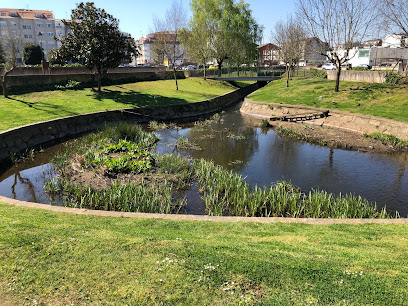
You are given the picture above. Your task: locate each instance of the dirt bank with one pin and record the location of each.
(338, 130)
(333, 137)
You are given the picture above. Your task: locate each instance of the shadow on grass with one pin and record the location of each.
(136, 99)
(57, 110)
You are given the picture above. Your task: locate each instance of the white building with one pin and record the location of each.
(36, 26)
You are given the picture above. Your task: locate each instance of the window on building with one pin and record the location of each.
(48, 16)
(364, 53)
(13, 24)
(3, 24)
(26, 27)
(40, 25)
(51, 42)
(38, 15)
(50, 34)
(13, 14)
(49, 25)
(3, 14)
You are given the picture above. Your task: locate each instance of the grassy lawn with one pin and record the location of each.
(367, 98)
(59, 258)
(40, 106)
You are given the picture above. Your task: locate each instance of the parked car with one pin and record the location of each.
(385, 64)
(365, 66)
(329, 66)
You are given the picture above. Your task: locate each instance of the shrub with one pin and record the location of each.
(71, 84)
(316, 73)
(393, 78)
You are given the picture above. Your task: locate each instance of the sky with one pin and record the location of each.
(136, 16)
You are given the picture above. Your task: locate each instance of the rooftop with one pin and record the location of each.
(26, 14)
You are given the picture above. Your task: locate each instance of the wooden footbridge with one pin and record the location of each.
(301, 117)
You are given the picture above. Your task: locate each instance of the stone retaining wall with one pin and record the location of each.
(46, 133)
(358, 76)
(16, 81)
(350, 121)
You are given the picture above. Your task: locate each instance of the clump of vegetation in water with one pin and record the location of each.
(156, 126)
(115, 169)
(388, 139)
(226, 193)
(264, 123)
(295, 134)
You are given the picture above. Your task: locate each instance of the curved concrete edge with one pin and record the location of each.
(43, 134)
(116, 214)
(354, 122)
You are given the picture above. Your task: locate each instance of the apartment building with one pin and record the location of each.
(36, 26)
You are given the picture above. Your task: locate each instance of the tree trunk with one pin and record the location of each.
(175, 76)
(336, 89)
(99, 80)
(4, 82)
(287, 75)
(238, 70)
(219, 68)
(205, 72)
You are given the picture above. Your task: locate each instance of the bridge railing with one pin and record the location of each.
(244, 72)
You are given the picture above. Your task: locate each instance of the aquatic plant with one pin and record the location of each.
(226, 193)
(156, 126)
(120, 197)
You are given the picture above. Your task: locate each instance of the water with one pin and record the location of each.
(262, 157)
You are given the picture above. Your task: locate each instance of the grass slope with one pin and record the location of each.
(59, 258)
(40, 106)
(367, 98)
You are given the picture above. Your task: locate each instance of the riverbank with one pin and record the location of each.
(34, 107)
(380, 100)
(339, 129)
(59, 258)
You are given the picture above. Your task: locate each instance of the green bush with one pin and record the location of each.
(71, 84)
(393, 78)
(316, 73)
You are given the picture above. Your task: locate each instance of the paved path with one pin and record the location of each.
(199, 218)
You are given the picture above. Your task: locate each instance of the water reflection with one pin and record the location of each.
(263, 157)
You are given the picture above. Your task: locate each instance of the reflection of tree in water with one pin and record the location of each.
(28, 185)
(224, 150)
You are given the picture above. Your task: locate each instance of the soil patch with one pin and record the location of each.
(338, 138)
(99, 179)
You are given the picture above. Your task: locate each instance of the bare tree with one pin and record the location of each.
(11, 47)
(166, 41)
(290, 37)
(340, 23)
(395, 12)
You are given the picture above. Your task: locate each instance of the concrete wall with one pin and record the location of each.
(349, 121)
(16, 81)
(358, 76)
(76, 70)
(50, 132)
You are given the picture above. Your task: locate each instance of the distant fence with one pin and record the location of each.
(358, 76)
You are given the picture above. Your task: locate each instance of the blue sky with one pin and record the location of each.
(136, 17)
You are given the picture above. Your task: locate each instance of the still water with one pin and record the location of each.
(259, 155)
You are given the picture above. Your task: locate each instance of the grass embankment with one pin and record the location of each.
(45, 105)
(381, 100)
(59, 258)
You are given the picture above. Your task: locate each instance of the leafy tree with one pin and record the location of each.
(32, 54)
(233, 32)
(196, 40)
(95, 41)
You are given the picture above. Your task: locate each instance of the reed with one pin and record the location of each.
(226, 193)
(120, 197)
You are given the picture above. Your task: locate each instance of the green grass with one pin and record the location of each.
(380, 100)
(59, 258)
(40, 106)
(388, 139)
